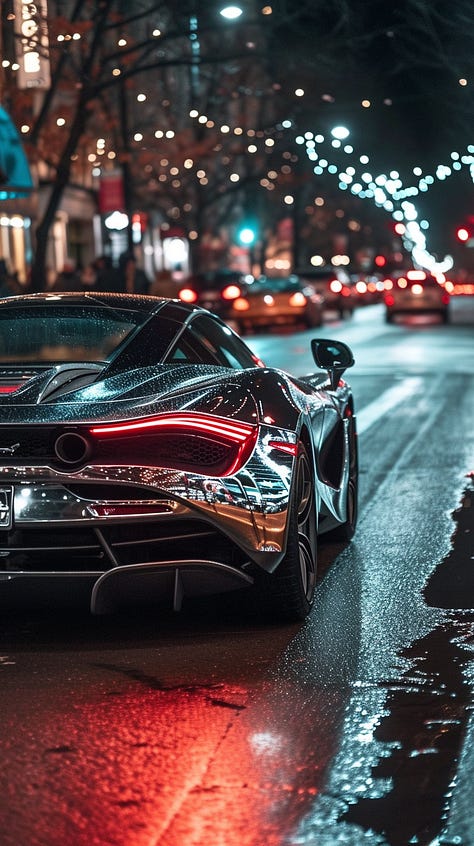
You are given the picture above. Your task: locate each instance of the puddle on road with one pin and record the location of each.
(423, 727)
(427, 712)
(401, 789)
(452, 583)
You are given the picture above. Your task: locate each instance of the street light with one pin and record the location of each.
(340, 132)
(247, 236)
(231, 13)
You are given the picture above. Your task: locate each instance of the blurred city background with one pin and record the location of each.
(264, 139)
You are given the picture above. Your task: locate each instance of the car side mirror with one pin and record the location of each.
(333, 356)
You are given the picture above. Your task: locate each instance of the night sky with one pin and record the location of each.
(406, 58)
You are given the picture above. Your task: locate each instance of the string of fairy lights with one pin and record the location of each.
(387, 191)
(329, 154)
(326, 153)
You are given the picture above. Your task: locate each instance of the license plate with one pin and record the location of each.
(6, 511)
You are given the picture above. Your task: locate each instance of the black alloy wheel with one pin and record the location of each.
(288, 593)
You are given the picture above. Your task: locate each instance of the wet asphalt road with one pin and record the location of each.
(213, 727)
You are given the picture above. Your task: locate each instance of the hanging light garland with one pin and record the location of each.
(387, 191)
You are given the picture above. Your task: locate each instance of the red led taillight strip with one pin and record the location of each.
(239, 437)
(10, 389)
(235, 431)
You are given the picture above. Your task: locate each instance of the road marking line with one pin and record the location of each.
(388, 400)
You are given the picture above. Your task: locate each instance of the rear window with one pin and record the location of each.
(276, 284)
(55, 334)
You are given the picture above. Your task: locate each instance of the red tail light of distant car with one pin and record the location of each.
(188, 295)
(231, 292)
(297, 300)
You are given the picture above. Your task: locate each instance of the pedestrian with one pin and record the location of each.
(107, 276)
(69, 279)
(132, 279)
(89, 277)
(9, 285)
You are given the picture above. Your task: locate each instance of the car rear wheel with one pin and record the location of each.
(288, 593)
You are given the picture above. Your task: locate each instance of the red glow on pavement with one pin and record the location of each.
(136, 764)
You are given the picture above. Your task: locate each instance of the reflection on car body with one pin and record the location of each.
(160, 459)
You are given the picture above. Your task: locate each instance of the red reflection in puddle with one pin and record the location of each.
(192, 766)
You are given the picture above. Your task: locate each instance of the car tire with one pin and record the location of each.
(288, 593)
(389, 317)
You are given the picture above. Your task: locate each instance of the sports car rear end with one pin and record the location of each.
(119, 485)
(146, 455)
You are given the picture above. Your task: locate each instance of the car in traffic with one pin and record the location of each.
(460, 283)
(272, 301)
(415, 292)
(147, 455)
(334, 285)
(367, 288)
(215, 290)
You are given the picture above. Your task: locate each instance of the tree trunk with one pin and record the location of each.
(63, 172)
(126, 177)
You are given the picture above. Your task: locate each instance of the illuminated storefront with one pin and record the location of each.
(16, 186)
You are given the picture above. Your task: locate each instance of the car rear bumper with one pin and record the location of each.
(121, 530)
(395, 310)
(165, 583)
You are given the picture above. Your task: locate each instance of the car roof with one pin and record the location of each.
(137, 302)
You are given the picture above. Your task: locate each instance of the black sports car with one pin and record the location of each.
(147, 454)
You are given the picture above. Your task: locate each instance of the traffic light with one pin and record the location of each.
(247, 235)
(465, 231)
(462, 234)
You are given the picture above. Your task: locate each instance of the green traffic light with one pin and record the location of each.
(246, 235)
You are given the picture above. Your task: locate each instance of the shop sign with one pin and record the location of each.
(111, 195)
(15, 175)
(32, 44)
